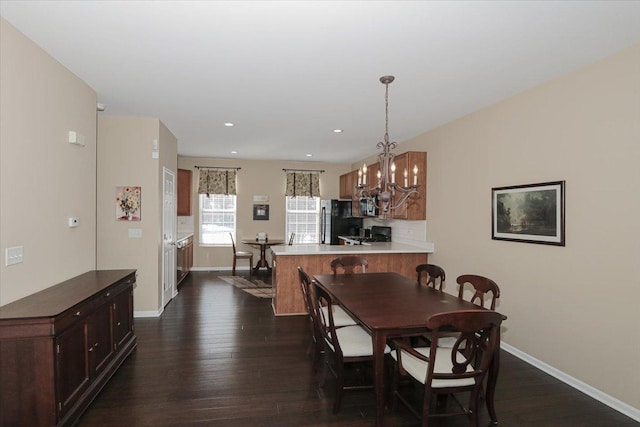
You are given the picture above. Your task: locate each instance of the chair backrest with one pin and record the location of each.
(291, 238)
(233, 243)
(348, 264)
(482, 286)
(305, 284)
(324, 318)
(473, 351)
(433, 275)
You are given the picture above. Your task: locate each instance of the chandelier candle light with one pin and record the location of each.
(389, 194)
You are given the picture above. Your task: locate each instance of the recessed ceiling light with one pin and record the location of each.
(337, 131)
(309, 155)
(229, 124)
(234, 152)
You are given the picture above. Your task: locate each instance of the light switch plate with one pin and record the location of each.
(135, 233)
(14, 255)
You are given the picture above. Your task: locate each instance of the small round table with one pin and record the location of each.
(263, 244)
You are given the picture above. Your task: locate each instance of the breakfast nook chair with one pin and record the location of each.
(349, 263)
(449, 371)
(431, 275)
(240, 255)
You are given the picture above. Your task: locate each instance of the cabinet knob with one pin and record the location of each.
(107, 294)
(119, 323)
(90, 349)
(76, 314)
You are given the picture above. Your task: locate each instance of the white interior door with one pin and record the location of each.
(169, 235)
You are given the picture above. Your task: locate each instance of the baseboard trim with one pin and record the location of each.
(218, 268)
(610, 401)
(148, 313)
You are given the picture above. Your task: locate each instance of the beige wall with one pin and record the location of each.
(575, 307)
(44, 180)
(125, 158)
(255, 178)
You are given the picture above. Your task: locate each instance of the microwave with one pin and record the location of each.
(368, 206)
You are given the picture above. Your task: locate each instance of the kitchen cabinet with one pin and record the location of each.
(184, 192)
(60, 346)
(416, 207)
(348, 182)
(185, 257)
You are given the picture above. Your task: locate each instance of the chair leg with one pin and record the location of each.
(250, 267)
(325, 368)
(339, 387)
(233, 269)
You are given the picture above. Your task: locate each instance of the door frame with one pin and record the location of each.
(168, 239)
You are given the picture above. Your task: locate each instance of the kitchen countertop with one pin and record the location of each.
(372, 248)
(182, 235)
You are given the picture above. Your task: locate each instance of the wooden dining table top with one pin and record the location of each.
(389, 300)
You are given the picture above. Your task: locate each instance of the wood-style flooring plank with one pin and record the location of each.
(219, 357)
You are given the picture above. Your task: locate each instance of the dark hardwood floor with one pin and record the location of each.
(219, 357)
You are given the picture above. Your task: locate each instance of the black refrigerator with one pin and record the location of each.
(336, 220)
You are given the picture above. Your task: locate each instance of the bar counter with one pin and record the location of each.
(315, 259)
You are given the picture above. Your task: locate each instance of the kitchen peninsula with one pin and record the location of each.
(315, 259)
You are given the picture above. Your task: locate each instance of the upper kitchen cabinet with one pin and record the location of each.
(184, 192)
(416, 207)
(348, 183)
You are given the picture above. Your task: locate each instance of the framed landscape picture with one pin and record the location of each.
(532, 213)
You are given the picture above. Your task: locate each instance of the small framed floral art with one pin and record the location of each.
(128, 203)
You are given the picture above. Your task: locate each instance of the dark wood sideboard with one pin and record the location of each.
(60, 346)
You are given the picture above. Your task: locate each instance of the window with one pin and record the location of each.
(303, 218)
(217, 219)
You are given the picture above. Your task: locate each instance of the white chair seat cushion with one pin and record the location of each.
(447, 341)
(340, 317)
(356, 342)
(418, 368)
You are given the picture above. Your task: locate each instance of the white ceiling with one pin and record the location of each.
(289, 72)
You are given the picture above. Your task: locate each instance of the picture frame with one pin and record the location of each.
(128, 203)
(532, 213)
(260, 212)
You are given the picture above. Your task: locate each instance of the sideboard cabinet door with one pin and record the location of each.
(72, 366)
(122, 318)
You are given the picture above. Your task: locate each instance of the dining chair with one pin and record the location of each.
(341, 318)
(291, 238)
(432, 275)
(240, 255)
(447, 371)
(348, 264)
(342, 345)
(482, 286)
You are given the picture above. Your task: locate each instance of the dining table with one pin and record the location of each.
(263, 245)
(390, 305)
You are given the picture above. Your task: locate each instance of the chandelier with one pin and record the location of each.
(386, 195)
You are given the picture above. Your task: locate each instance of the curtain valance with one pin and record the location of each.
(213, 181)
(303, 184)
